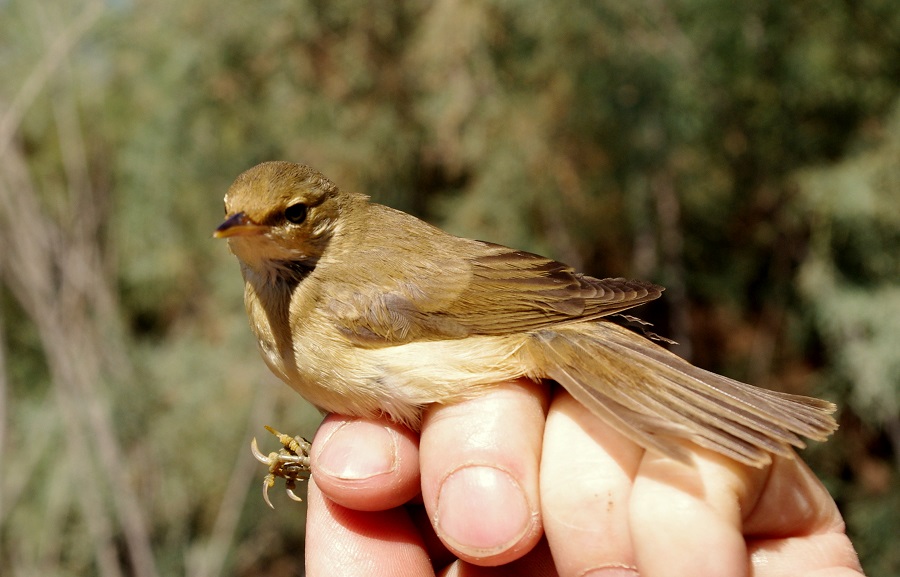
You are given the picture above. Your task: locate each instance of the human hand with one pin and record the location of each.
(500, 470)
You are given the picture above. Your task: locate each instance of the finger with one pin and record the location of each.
(795, 527)
(346, 542)
(479, 461)
(820, 555)
(686, 518)
(536, 563)
(586, 476)
(365, 464)
(441, 557)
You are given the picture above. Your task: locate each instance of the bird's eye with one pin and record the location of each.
(295, 213)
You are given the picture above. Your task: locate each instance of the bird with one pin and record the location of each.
(367, 311)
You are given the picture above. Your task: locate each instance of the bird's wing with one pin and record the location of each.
(515, 291)
(499, 291)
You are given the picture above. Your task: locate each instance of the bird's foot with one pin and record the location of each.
(291, 463)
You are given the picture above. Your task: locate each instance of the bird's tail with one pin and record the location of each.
(653, 396)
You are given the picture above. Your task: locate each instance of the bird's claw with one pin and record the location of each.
(291, 463)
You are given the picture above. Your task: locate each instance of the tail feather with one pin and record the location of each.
(652, 396)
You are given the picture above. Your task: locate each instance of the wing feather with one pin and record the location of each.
(499, 291)
(656, 395)
(516, 291)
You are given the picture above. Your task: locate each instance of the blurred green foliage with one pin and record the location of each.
(743, 154)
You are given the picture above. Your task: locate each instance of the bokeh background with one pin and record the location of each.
(744, 154)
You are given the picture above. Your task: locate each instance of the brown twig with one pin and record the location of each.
(53, 268)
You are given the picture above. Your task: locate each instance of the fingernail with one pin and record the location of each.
(482, 510)
(358, 450)
(611, 571)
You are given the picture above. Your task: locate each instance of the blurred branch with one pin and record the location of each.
(4, 388)
(28, 271)
(16, 479)
(55, 273)
(43, 70)
(210, 559)
(88, 490)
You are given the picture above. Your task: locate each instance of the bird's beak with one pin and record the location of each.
(239, 224)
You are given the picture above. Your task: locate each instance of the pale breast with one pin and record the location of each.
(400, 380)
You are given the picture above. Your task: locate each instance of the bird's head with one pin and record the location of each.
(280, 216)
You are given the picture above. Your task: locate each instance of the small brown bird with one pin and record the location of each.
(368, 311)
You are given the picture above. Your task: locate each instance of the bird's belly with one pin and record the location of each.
(400, 380)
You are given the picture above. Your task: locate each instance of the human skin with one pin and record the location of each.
(518, 483)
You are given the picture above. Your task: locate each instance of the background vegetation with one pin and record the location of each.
(745, 155)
